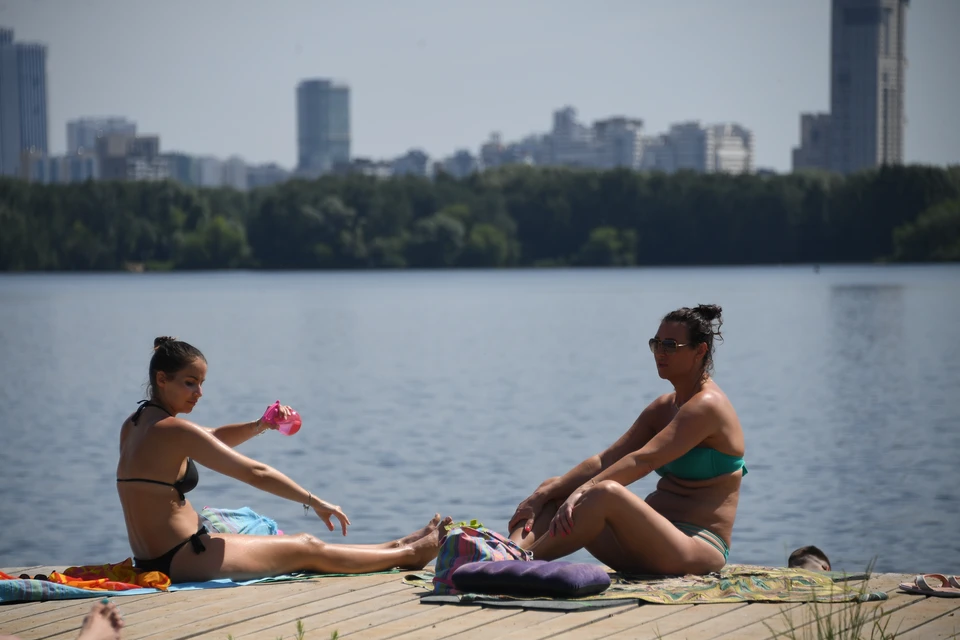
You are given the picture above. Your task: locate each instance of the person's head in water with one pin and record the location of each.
(809, 557)
(683, 345)
(177, 373)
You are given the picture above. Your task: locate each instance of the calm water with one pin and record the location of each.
(459, 392)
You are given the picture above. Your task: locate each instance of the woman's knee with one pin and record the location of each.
(311, 543)
(605, 490)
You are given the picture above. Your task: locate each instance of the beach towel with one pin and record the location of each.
(242, 520)
(734, 583)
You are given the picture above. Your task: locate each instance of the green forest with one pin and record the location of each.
(511, 217)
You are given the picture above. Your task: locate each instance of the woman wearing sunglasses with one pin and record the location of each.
(690, 437)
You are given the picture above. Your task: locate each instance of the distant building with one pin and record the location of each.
(75, 167)
(867, 68)
(364, 167)
(23, 101)
(235, 173)
(183, 168)
(266, 175)
(209, 172)
(413, 163)
(619, 143)
(729, 149)
(460, 165)
(323, 126)
(814, 149)
(717, 148)
(82, 133)
(127, 157)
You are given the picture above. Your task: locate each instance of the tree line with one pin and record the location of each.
(511, 217)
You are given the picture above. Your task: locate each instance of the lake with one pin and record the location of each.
(459, 391)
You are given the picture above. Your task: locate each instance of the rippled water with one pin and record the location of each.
(460, 391)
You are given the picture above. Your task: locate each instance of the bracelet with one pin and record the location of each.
(257, 425)
(306, 506)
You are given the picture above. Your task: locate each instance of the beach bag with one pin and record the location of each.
(468, 542)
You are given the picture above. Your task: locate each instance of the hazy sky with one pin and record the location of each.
(219, 76)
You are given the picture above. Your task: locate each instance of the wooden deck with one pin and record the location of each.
(383, 607)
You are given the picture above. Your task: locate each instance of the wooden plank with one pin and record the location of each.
(178, 608)
(66, 620)
(804, 614)
(629, 619)
(504, 626)
(569, 621)
(804, 619)
(426, 616)
(744, 616)
(251, 621)
(918, 614)
(361, 616)
(459, 624)
(54, 611)
(671, 624)
(941, 628)
(181, 602)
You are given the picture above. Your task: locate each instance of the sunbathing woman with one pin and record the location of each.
(690, 437)
(159, 454)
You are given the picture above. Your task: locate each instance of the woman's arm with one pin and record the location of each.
(693, 423)
(560, 488)
(642, 432)
(234, 435)
(204, 447)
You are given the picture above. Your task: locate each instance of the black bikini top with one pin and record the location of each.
(191, 476)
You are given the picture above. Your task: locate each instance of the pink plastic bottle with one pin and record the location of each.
(287, 426)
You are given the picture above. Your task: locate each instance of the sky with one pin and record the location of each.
(218, 77)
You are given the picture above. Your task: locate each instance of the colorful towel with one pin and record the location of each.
(242, 520)
(17, 590)
(120, 576)
(734, 583)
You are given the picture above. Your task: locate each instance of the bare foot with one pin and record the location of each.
(104, 622)
(419, 533)
(427, 547)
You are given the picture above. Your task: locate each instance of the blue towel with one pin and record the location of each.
(242, 520)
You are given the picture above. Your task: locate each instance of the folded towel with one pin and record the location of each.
(242, 520)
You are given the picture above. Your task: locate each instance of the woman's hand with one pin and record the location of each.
(324, 509)
(562, 523)
(527, 512)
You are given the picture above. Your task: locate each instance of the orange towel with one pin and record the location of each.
(111, 577)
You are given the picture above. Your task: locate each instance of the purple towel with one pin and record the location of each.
(533, 578)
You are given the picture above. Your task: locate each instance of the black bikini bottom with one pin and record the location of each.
(162, 564)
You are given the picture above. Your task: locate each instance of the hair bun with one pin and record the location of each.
(709, 312)
(162, 340)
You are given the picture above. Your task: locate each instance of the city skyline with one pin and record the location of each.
(419, 79)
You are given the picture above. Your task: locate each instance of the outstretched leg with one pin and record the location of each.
(645, 540)
(245, 557)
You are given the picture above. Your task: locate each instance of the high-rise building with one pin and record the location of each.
(23, 101)
(82, 133)
(9, 105)
(814, 149)
(323, 126)
(867, 63)
(32, 70)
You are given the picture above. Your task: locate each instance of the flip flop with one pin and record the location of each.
(925, 584)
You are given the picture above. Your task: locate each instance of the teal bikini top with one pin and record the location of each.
(702, 463)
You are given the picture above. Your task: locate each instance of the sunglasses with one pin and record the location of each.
(667, 346)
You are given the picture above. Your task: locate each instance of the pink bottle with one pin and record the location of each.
(287, 426)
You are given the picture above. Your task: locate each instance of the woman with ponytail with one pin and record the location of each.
(691, 437)
(159, 454)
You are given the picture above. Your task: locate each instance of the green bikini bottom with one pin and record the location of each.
(706, 535)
